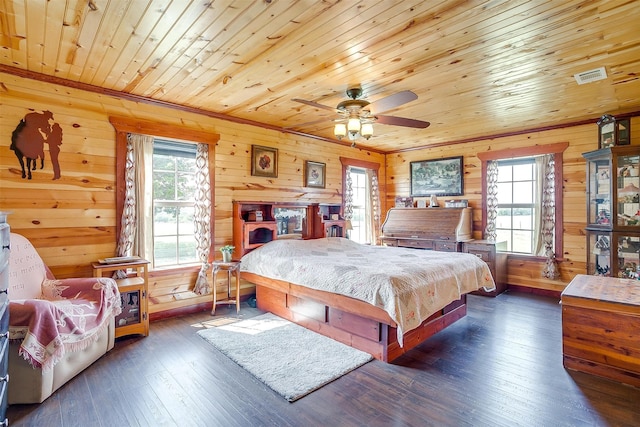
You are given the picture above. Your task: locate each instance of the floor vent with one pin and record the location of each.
(591, 76)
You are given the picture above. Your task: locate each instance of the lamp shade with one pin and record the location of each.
(366, 130)
(340, 130)
(353, 125)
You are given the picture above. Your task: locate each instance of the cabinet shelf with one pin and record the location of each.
(134, 295)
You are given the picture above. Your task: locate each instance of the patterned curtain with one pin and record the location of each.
(132, 222)
(492, 200)
(374, 205)
(548, 215)
(348, 200)
(202, 218)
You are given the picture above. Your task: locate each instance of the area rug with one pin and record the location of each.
(291, 360)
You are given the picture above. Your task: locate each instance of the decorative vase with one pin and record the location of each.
(226, 256)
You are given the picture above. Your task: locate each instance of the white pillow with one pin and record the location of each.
(26, 269)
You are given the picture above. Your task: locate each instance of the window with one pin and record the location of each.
(358, 220)
(514, 207)
(135, 183)
(515, 222)
(361, 199)
(174, 166)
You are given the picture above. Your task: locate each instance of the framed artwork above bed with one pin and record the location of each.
(441, 177)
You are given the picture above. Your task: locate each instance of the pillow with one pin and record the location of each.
(26, 269)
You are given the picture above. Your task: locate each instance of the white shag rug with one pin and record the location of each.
(291, 360)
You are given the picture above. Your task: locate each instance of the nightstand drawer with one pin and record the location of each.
(484, 252)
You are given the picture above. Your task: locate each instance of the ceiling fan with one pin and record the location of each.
(357, 116)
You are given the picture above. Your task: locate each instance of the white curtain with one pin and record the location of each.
(143, 153)
(202, 218)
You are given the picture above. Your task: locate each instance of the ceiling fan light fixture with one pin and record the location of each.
(340, 130)
(367, 130)
(357, 116)
(353, 125)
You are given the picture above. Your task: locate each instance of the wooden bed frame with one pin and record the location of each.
(350, 321)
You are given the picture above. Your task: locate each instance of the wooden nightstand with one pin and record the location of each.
(489, 252)
(134, 318)
(229, 267)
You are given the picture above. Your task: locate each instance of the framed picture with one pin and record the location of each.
(264, 161)
(404, 202)
(442, 177)
(314, 174)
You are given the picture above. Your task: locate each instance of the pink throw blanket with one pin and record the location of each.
(70, 316)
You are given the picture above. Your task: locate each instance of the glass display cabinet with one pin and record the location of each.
(613, 211)
(613, 254)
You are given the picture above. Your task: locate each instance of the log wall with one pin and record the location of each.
(522, 270)
(72, 220)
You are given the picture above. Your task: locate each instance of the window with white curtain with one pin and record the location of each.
(522, 200)
(361, 200)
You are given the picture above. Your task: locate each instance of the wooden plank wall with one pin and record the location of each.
(72, 222)
(523, 271)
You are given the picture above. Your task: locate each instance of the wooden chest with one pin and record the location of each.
(601, 327)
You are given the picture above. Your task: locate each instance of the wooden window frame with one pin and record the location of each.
(124, 125)
(537, 150)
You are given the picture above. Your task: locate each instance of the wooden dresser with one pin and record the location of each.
(4, 317)
(439, 229)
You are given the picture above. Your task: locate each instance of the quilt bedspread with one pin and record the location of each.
(409, 284)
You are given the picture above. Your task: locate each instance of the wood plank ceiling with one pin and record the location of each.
(479, 68)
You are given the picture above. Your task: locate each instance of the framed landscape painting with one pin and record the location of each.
(442, 177)
(264, 161)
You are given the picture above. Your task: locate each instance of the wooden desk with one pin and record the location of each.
(229, 267)
(600, 324)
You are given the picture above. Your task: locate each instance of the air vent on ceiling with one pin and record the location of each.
(591, 76)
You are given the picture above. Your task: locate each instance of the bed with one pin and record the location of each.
(382, 300)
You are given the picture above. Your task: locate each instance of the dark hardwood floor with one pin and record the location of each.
(499, 366)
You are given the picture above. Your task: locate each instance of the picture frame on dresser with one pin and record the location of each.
(440, 177)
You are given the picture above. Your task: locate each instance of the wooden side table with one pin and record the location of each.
(134, 318)
(230, 267)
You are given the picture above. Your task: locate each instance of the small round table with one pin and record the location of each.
(229, 267)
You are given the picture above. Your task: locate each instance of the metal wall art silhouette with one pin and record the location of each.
(29, 137)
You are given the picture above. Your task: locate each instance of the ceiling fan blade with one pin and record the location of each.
(401, 121)
(301, 125)
(314, 104)
(392, 101)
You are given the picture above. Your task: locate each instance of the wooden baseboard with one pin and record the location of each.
(188, 309)
(534, 291)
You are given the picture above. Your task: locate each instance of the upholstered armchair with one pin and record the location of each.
(56, 327)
